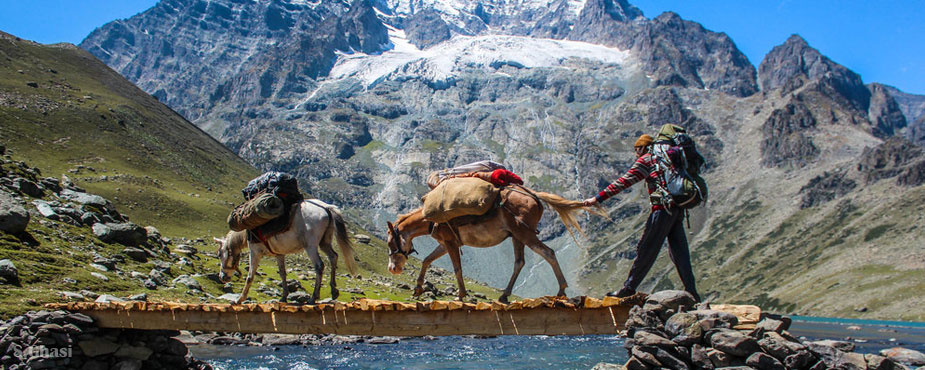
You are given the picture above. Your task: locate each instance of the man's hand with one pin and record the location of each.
(590, 202)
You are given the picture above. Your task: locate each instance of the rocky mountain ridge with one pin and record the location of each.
(427, 85)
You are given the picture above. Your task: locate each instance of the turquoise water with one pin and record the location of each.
(524, 352)
(507, 352)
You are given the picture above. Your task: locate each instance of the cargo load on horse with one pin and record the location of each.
(467, 190)
(268, 205)
(456, 197)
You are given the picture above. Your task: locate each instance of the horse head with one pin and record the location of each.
(229, 253)
(398, 252)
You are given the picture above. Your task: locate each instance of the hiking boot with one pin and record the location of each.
(623, 293)
(696, 297)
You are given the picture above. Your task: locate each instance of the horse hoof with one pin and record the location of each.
(335, 293)
(503, 299)
(417, 292)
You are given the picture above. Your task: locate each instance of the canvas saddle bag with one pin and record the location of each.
(461, 196)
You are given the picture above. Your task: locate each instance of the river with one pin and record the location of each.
(522, 352)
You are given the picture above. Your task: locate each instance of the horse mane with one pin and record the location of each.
(406, 216)
(236, 240)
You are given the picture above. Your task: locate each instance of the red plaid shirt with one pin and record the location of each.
(643, 169)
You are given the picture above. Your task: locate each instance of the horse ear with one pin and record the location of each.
(391, 227)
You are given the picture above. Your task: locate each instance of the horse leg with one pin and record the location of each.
(332, 258)
(437, 253)
(281, 263)
(548, 254)
(518, 265)
(453, 250)
(319, 270)
(251, 273)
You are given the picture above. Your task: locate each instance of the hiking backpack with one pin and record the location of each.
(280, 184)
(679, 164)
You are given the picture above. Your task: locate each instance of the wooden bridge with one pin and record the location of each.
(540, 316)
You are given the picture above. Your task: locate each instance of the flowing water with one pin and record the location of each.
(523, 352)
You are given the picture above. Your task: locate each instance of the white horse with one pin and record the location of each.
(315, 225)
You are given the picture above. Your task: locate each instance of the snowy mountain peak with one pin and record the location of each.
(445, 60)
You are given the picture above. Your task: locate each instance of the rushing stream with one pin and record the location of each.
(522, 352)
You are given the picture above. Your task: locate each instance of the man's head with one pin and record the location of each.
(642, 144)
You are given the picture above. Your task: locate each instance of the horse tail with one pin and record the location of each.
(343, 241)
(567, 209)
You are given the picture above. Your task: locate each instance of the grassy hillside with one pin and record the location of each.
(63, 112)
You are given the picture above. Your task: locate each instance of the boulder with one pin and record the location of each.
(85, 199)
(232, 297)
(664, 357)
(685, 328)
(733, 342)
(365, 239)
(136, 254)
(97, 347)
(645, 357)
(281, 339)
(769, 324)
(13, 216)
(875, 362)
(632, 364)
(764, 362)
(188, 281)
(51, 183)
(669, 300)
(28, 187)
(776, 345)
(300, 297)
(699, 358)
(71, 296)
(129, 364)
(9, 274)
(721, 359)
(186, 249)
(838, 344)
(799, 360)
(712, 319)
(134, 352)
(383, 340)
(642, 318)
(648, 339)
(904, 355)
(127, 233)
(834, 358)
(103, 298)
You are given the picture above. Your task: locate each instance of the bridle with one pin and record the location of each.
(396, 238)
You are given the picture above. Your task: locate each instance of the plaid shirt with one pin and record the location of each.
(643, 169)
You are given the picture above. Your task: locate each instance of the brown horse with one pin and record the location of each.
(517, 217)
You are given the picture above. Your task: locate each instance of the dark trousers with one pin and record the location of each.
(663, 224)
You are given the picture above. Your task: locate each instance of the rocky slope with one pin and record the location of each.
(365, 106)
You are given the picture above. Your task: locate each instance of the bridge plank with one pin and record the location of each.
(540, 316)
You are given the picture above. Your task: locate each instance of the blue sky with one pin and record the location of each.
(884, 41)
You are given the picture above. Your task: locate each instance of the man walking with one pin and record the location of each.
(665, 221)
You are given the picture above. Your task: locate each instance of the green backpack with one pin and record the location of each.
(680, 165)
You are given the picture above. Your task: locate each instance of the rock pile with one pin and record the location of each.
(672, 331)
(61, 340)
